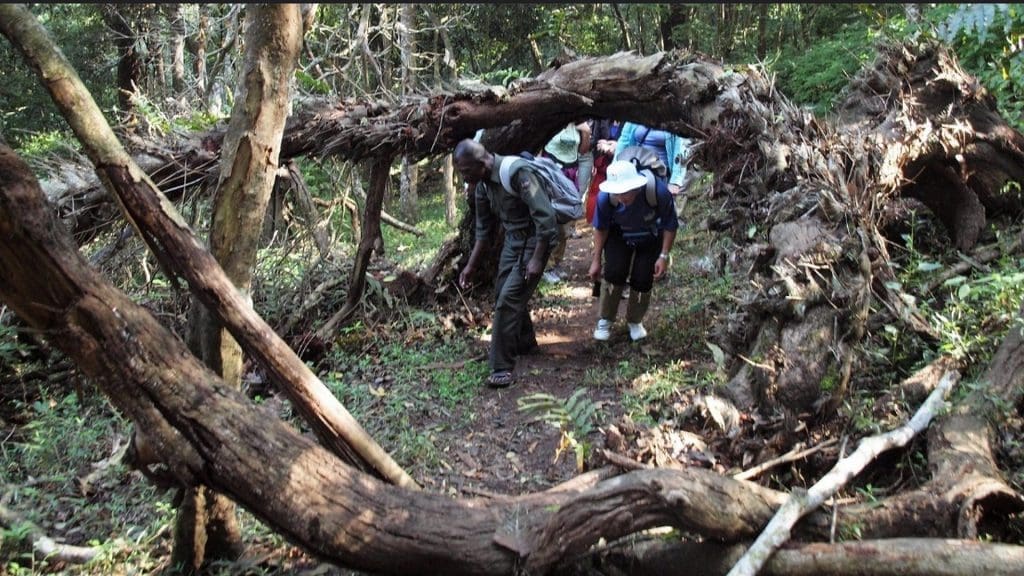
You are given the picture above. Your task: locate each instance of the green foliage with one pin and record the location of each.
(979, 311)
(51, 143)
(51, 479)
(311, 84)
(816, 75)
(80, 33)
(10, 348)
(651, 392)
(415, 253)
(989, 43)
(574, 417)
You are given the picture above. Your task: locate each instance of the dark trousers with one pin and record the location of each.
(631, 261)
(511, 325)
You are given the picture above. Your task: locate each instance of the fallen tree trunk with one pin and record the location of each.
(893, 557)
(212, 434)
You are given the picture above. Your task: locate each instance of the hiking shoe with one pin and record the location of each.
(637, 332)
(603, 330)
(502, 379)
(551, 277)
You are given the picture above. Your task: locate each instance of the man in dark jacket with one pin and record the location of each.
(531, 230)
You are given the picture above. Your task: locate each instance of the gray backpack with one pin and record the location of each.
(565, 197)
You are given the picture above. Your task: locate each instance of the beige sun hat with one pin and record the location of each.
(622, 177)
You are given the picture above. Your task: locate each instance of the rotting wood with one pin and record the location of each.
(801, 502)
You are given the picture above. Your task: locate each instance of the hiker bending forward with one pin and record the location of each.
(526, 214)
(635, 233)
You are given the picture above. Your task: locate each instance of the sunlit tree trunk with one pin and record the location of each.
(207, 528)
(445, 71)
(410, 172)
(363, 42)
(762, 24)
(224, 60)
(199, 52)
(627, 41)
(912, 12)
(176, 16)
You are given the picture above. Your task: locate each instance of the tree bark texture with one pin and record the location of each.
(198, 424)
(249, 163)
(181, 253)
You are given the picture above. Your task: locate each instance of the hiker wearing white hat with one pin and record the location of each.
(635, 237)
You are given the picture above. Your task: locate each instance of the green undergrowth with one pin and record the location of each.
(398, 383)
(408, 379)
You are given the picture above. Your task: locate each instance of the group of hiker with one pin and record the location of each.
(627, 177)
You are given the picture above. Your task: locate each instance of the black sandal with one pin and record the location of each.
(500, 380)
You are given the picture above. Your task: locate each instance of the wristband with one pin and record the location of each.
(663, 256)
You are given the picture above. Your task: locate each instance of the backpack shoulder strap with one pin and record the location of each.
(651, 189)
(505, 170)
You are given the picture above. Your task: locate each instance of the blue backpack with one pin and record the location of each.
(648, 165)
(565, 197)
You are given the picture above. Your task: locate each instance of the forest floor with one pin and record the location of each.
(504, 450)
(509, 451)
(414, 378)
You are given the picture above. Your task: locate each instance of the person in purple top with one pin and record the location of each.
(635, 238)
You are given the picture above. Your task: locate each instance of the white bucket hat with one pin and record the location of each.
(622, 177)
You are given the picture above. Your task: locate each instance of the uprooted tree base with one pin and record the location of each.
(816, 263)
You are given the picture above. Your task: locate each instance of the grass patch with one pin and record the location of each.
(648, 395)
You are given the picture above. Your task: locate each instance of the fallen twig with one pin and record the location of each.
(800, 502)
(791, 456)
(623, 462)
(44, 547)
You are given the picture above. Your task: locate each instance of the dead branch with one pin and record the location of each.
(800, 502)
(791, 456)
(983, 255)
(889, 557)
(44, 547)
(178, 249)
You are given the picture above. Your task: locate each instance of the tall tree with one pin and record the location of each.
(176, 18)
(130, 62)
(445, 72)
(199, 51)
(406, 25)
(206, 527)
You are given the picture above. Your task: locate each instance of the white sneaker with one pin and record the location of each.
(636, 332)
(603, 330)
(551, 277)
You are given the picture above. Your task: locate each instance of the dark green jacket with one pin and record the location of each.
(527, 210)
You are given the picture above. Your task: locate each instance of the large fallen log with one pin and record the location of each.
(212, 434)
